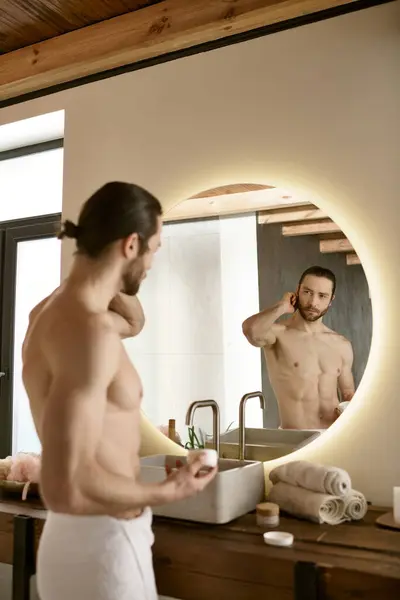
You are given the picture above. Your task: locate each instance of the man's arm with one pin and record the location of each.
(258, 328)
(346, 380)
(127, 315)
(72, 477)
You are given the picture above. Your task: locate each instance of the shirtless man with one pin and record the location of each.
(307, 362)
(85, 399)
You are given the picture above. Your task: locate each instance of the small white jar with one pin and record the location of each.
(267, 515)
(210, 457)
(342, 406)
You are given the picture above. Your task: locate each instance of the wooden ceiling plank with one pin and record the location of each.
(235, 188)
(153, 31)
(332, 236)
(310, 228)
(290, 215)
(26, 23)
(329, 246)
(352, 259)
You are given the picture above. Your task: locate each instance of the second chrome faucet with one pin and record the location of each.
(216, 419)
(242, 425)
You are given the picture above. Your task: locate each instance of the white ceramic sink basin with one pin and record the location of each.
(236, 490)
(265, 444)
(273, 437)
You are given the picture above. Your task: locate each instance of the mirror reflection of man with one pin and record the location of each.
(307, 362)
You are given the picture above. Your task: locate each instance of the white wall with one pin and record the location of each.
(314, 109)
(202, 286)
(240, 299)
(34, 130)
(179, 354)
(31, 185)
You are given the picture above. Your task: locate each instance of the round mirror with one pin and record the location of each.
(258, 320)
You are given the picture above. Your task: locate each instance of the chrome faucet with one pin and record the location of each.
(216, 417)
(242, 429)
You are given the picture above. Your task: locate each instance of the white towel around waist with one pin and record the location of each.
(96, 558)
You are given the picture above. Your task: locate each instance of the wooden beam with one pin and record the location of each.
(338, 235)
(235, 188)
(352, 259)
(200, 206)
(150, 32)
(305, 212)
(310, 228)
(329, 246)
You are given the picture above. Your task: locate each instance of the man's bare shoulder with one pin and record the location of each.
(282, 327)
(346, 347)
(279, 329)
(69, 327)
(339, 340)
(83, 324)
(338, 337)
(84, 342)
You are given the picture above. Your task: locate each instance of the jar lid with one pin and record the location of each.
(267, 509)
(278, 538)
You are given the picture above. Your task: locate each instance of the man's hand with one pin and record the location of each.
(183, 481)
(188, 480)
(288, 302)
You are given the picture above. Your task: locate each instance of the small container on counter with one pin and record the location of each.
(267, 514)
(210, 457)
(172, 430)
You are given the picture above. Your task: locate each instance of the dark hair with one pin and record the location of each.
(320, 272)
(113, 213)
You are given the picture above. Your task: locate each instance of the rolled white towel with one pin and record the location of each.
(317, 478)
(320, 508)
(355, 505)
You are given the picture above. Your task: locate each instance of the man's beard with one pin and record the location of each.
(133, 277)
(312, 316)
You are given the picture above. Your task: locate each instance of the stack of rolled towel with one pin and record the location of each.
(315, 492)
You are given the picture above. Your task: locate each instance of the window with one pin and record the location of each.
(30, 206)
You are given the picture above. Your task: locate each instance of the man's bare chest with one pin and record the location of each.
(125, 391)
(307, 354)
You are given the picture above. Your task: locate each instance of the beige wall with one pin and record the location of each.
(314, 108)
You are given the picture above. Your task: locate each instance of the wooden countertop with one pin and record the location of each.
(195, 561)
(356, 560)
(356, 538)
